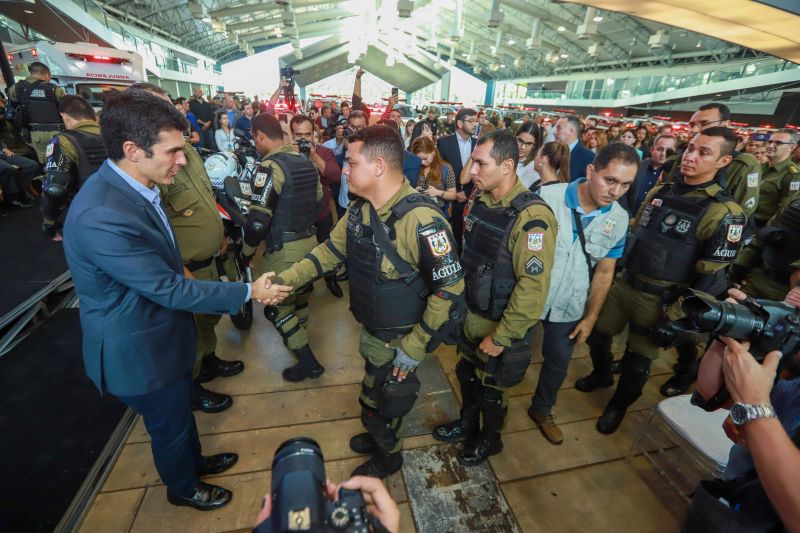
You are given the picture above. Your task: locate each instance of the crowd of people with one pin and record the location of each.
(485, 231)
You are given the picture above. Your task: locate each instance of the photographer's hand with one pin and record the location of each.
(379, 503)
(746, 379)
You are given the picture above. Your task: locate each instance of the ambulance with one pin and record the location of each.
(85, 69)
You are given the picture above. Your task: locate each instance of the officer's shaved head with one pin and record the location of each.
(37, 68)
(380, 142)
(268, 125)
(76, 107)
(729, 139)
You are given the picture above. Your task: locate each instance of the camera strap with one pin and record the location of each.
(579, 226)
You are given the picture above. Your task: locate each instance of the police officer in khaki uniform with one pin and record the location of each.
(508, 251)
(781, 177)
(406, 287)
(741, 177)
(769, 265)
(36, 99)
(684, 233)
(192, 210)
(72, 156)
(286, 198)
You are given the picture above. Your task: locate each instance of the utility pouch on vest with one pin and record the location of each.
(450, 331)
(512, 365)
(397, 398)
(376, 376)
(479, 289)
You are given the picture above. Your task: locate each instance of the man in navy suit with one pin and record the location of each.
(568, 128)
(135, 303)
(456, 149)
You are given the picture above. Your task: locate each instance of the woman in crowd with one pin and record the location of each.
(597, 141)
(629, 138)
(552, 164)
(529, 139)
(642, 142)
(407, 132)
(224, 135)
(436, 178)
(421, 129)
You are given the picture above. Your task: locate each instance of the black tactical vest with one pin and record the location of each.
(488, 269)
(91, 152)
(382, 305)
(782, 243)
(297, 207)
(664, 244)
(39, 99)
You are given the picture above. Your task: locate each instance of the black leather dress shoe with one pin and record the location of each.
(209, 401)
(610, 420)
(334, 287)
(452, 432)
(206, 497)
(216, 464)
(363, 443)
(214, 367)
(478, 450)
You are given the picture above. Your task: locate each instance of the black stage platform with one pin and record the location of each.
(31, 260)
(55, 425)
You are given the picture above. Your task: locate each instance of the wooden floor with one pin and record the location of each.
(587, 484)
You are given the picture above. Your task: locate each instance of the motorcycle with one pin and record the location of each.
(230, 175)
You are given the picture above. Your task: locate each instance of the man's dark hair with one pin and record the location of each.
(504, 146)
(139, 117)
(729, 138)
(575, 121)
(179, 100)
(148, 87)
(37, 67)
(76, 107)
(381, 141)
(464, 113)
(344, 104)
(299, 119)
(623, 153)
(724, 111)
(268, 125)
(357, 114)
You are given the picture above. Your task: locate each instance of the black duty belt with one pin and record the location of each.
(668, 293)
(194, 266)
(46, 127)
(289, 236)
(387, 335)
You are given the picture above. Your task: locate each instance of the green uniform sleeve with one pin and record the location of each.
(59, 93)
(532, 245)
(742, 178)
(329, 255)
(437, 310)
(710, 224)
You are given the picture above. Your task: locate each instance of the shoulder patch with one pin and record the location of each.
(752, 179)
(794, 186)
(535, 241)
(439, 243)
(260, 179)
(735, 233)
(750, 203)
(534, 266)
(49, 150)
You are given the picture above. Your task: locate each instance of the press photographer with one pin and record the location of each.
(301, 499)
(759, 490)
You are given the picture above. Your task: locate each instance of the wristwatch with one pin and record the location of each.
(742, 413)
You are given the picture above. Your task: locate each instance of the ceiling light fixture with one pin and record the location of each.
(511, 42)
(206, 19)
(598, 18)
(29, 12)
(699, 44)
(562, 28)
(564, 56)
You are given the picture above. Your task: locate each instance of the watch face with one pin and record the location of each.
(739, 414)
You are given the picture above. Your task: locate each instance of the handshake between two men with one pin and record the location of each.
(267, 290)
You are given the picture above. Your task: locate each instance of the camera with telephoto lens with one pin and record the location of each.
(767, 324)
(288, 73)
(304, 147)
(299, 501)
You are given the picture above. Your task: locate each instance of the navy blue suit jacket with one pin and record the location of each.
(135, 303)
(411, 167)
(579, 158)
(448, 149)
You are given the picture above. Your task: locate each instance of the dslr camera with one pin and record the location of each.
(287, 73)
(299, 501)
(304, 147)
(767, 324)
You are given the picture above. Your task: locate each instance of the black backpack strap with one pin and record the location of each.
(407, 273)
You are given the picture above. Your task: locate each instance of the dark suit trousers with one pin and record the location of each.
(168, 417)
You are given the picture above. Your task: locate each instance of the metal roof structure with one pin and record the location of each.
(410, 42)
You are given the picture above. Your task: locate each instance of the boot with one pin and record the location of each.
(488, 442)
(635, 371)
(467, 424)
(213, 367)
(480, 449)
(307, 366)
(363, 443)
(463, 428)
(685, 368)
(381, 465)
(602, 361)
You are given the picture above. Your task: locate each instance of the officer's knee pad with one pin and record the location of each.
(599, 340)
(636, 363)
(491, 396)
(57, 192)
(397, 398)
(465, 370)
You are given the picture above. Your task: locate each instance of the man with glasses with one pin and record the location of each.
(741, 177)
(781, 176)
